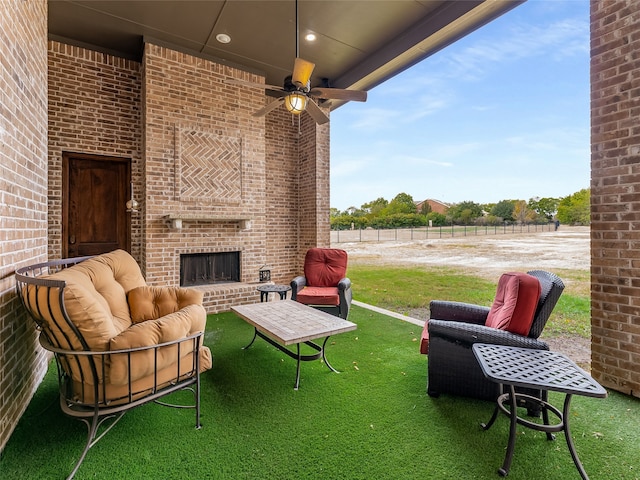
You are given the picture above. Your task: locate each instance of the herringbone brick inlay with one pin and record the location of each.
(209, 167)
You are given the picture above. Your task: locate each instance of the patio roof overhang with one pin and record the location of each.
(359, 44)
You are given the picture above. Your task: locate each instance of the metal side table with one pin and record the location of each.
(268, 288)
(538, 369)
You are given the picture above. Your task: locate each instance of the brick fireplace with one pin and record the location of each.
(212, 268)
(204, 168)
(209, 177)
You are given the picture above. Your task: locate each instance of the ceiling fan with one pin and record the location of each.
(297, 95)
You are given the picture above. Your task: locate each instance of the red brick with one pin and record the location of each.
(24, 169)
(615, 170)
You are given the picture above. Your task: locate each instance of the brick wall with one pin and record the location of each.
(615, 194)
(282, 208)
(187, 102)
(314, 186)
(23, 196)
(94, 107)
(297, 163)
(247, 168)
(178, 106)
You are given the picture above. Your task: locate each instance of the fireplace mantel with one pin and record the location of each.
(176, 219)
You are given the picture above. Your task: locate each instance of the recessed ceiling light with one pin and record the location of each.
(223, 38)
(310, 37)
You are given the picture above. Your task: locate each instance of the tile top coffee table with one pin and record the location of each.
(537, 369)
(288, 322)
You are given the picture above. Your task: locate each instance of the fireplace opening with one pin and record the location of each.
(209, 268)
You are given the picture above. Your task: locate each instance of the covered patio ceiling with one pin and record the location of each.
(359, 44)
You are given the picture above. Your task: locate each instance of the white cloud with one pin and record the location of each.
(375, 119)
(557, 40)
(408, 107)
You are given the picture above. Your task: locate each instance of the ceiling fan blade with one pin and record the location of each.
(268, 107)
(339, 94)
(315, 112)
(233, 81)
(302, 70)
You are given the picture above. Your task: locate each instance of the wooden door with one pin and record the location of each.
(95, 192)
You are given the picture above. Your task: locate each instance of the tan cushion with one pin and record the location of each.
(190, 319)
(95, 296)
(119, 394)
(150, 302)
(87, 309)
(124, 268)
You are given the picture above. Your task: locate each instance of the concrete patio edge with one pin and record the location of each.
(389, 313)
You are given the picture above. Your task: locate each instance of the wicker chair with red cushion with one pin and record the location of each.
(520, 310)
(324, 284)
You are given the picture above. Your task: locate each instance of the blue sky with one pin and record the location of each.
(501, 114)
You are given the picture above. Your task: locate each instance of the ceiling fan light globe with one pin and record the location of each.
(295, 103)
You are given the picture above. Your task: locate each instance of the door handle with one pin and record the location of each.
(72, 239)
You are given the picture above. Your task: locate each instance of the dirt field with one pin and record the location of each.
(488, 256)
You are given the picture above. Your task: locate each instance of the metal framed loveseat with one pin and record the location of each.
(117, 342)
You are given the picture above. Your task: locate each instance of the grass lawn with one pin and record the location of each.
(408, 290)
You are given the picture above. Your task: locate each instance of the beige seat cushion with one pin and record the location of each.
(150, 302)
(177, 325)
(97, 302)
(95, 298)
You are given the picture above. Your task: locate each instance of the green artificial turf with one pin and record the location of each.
(373, 420)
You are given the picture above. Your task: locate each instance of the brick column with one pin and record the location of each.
(615, 194)
(23, 197)
(313, 186)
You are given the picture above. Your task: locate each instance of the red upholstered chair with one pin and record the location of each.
(520, 310)
(324, 284)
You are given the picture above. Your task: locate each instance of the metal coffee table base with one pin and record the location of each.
(563, 425)
(296, 355)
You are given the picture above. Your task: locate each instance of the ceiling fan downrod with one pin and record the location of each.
(297, 33)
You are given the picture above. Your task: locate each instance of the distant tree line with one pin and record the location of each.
(402, 212)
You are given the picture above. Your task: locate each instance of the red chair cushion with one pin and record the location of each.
(319, 296)
(325, 267)
(515, 303)
(424, 340)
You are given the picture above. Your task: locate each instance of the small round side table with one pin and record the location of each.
(265, 290)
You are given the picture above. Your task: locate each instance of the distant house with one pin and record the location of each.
(436, 206)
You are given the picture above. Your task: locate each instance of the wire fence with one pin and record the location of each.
(425, 233)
